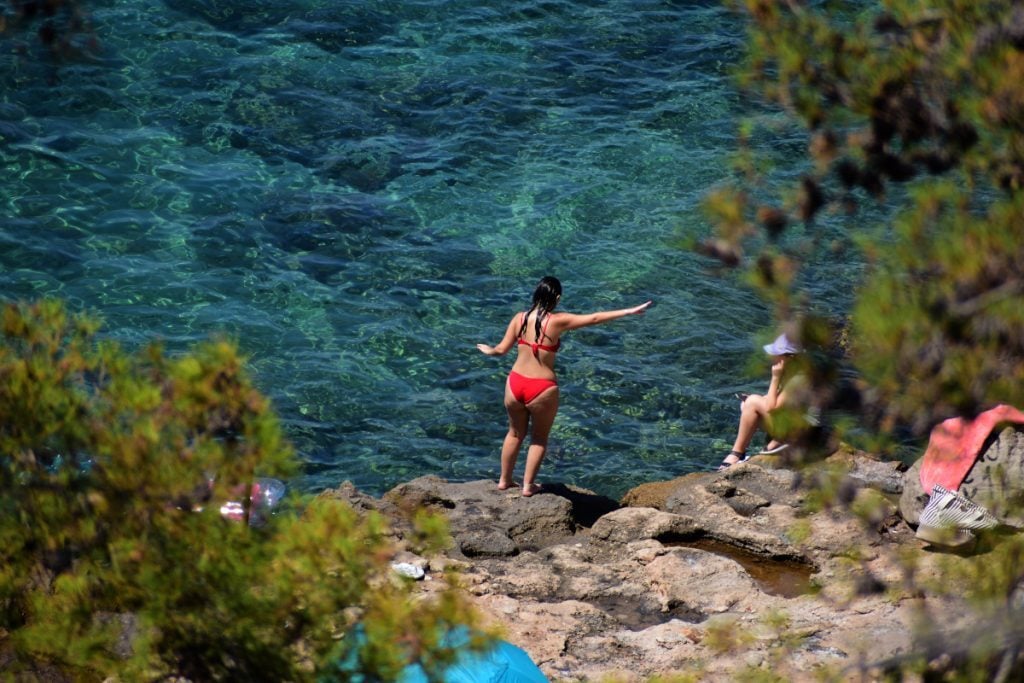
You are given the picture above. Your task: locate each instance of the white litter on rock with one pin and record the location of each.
(410, 570)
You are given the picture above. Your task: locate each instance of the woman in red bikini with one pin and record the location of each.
(531, 392)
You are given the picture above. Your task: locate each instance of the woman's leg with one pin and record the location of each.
(752, 414)
(518, 418)
(542, 415)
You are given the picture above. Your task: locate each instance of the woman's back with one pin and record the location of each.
(537, 350)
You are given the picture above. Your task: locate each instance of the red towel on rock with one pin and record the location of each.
(956, 443)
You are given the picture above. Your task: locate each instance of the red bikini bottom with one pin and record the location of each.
(525, 389)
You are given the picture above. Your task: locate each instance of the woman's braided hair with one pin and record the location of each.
(545, 298)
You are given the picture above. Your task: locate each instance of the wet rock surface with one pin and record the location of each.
(709, 574)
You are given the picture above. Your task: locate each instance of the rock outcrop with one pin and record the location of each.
(710, 574)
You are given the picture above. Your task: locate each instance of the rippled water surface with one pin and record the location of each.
(359, 192)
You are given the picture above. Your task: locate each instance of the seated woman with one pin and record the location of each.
(755, 408)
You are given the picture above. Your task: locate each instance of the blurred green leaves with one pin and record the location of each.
(114, 559)
(918, 106)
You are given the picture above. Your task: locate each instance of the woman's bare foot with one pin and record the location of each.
(532, 489)
(503, 486)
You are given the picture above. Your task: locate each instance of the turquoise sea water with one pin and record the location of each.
(359, 192)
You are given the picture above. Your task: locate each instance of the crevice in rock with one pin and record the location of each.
(587, 507)
(637, 615)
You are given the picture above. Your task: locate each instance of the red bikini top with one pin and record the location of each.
(537, 346)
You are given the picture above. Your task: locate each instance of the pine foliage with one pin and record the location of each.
(917, 107)
(914, 107)
(114, 557)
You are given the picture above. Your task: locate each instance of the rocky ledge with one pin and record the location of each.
(707, 575)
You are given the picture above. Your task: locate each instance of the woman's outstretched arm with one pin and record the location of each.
(573, 321)
(506, 342)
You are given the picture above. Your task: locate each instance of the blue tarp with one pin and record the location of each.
(504, 663)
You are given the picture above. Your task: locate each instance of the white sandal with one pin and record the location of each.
(726, 465)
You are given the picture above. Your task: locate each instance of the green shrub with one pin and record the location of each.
(915, 108)
(114, 557)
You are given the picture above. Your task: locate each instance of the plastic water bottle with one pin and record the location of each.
(265, 496)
